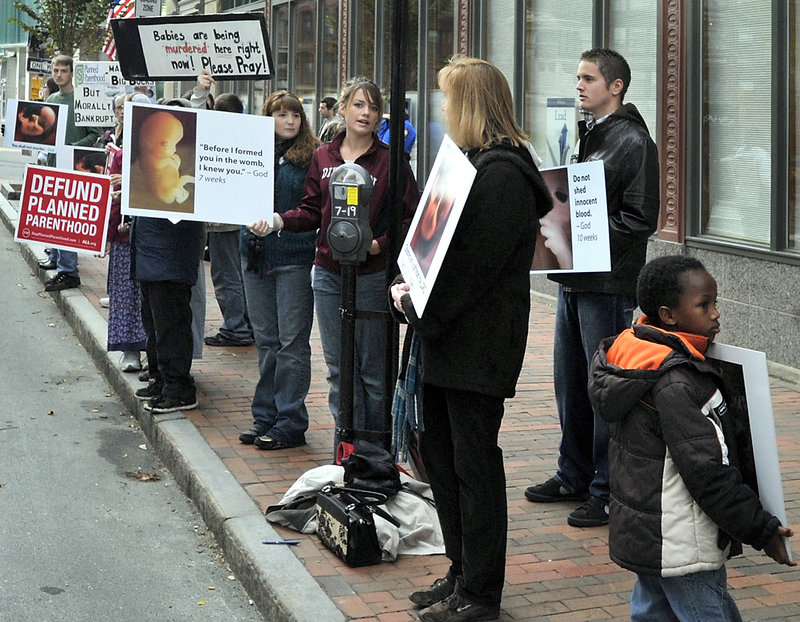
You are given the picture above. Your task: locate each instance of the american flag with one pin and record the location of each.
(121, 9)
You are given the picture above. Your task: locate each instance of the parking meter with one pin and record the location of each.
(349, 234)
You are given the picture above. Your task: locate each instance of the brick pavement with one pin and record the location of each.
(554, 573)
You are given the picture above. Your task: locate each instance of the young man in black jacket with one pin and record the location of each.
(593, 306)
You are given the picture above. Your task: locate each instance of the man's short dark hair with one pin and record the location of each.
(659, 283)
(63, 59)
(228, 102)
(612, 65)
(330, 102)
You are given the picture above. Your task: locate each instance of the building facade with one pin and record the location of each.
(716, 81)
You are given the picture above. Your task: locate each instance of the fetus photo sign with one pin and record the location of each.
(64, 209)
(192, 164)
(84, 159)
(35, 125)
(749, 403)
(574, 237)
(178, 47)
(435, 221)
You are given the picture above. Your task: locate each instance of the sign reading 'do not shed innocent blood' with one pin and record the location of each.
(231, 46)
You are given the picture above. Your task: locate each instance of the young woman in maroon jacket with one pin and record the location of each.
(361, 105)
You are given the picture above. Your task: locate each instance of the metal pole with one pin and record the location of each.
(397, 184)
(344, 426)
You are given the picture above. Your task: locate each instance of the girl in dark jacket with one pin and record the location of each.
(277, 282)
(473, 337)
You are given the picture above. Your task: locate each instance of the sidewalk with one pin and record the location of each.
(554, 573)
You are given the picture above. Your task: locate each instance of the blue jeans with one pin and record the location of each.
(583, 319)
(226, 275)
(198, 305)
(281, 308)
(370, 346)
(66, 261)
(696, 597)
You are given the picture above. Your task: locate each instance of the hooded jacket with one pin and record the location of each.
(678, 504)
(475, 324)
(630, 160)
(314, 211)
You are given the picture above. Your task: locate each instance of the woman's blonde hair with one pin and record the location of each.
(371, 92)
(479, 109)
(306, 143)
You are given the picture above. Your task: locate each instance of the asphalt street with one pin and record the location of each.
(92, 526)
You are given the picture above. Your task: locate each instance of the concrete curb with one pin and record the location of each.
(276, 580)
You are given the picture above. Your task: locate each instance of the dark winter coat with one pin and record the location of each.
(630, 160)
(677, 499)
(163, 251)
(475, 324)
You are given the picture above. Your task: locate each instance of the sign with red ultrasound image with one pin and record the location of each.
(64, 209)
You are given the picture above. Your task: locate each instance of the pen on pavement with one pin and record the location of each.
(287, 542)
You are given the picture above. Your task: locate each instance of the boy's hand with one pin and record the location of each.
(775, 548)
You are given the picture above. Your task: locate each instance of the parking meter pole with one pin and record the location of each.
(344, 429)
(349, 237)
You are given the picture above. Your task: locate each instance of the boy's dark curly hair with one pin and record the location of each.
(659, 283)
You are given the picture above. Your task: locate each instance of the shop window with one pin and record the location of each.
(557, 32)
(633, 32)
(736, 121)
(364, 29)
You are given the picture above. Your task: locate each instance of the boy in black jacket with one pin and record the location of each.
(678, 506)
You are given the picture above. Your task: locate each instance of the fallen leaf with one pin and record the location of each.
(143, 476)
(202, 602)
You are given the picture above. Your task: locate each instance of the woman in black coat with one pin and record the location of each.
(473, 335)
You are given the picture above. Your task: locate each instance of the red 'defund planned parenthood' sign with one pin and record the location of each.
(64, 209)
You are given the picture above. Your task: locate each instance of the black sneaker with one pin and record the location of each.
(221, 340)
(269, 443)
(551, 491)
(153, 389)
(62, 280)
(169, 404)
(457, 608)
(593, 513)
(252, 434)
(441, 589)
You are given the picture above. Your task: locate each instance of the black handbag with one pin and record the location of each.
(345, 524)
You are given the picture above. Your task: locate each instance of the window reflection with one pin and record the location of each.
(736, 121)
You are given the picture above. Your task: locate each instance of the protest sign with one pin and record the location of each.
(573, 236)
(64, 209)
(750, 405)
(231, 46)
(84, 159)
(561, 132)
(97, 83)
(193, 164)
(35, 125)
(435, 221)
